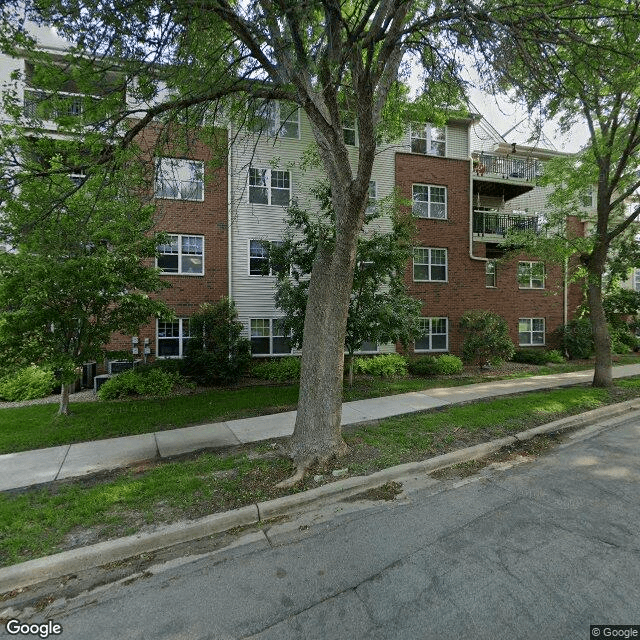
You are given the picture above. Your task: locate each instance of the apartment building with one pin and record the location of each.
(468, 188)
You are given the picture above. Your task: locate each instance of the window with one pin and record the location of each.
(428, 140)
(277, 119)
(586, 198)
(260, 263)
(182, 255)
(367, 346)
(531, 331)
(349, 130)
(636, 279)
(429, 201)
(435, 334)
(179, 179)
(531, 275)
(429, 264)
(490, 273)
(172, 338)
(373, 197)
(268, 337)
(268, 186)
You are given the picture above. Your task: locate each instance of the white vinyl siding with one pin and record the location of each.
(531, 332)
(429, 264)
(435, 335)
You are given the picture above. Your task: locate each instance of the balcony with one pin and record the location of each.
(494, 225)
(49, 107)
(505, 176)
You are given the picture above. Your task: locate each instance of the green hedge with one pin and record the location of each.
(27, 384)
(280, 370)
(388, 365)
(435, 365)
(148, 381)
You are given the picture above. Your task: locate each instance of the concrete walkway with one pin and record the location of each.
(40, 466)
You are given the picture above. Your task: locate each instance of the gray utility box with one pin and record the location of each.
(98, 381)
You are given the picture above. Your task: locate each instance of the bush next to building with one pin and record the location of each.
(435, 365)
(280, 370)
(27, 384)
(486, 338)
(389, 365)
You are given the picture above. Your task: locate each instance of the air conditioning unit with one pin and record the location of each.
(118, 366)
(88, 374)
(98, 381)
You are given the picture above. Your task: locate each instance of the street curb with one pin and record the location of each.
(34, 571)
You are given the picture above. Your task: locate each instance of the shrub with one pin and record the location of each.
(622, 339)
(435, 366)
(530, 356)
(577, 339)
(448, 364)
(386, 366)
(216, 354)
(553, 355)
(152, 381)
(486, 338)
(27, 384)
(424, 366)
(279, 370)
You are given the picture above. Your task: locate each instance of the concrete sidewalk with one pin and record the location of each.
(40, 466)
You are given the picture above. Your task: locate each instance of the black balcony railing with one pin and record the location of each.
(499, 223)
(507, 167)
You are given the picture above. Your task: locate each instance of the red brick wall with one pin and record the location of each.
(465, 289)
(207, 218)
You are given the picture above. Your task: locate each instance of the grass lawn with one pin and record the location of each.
(47, 520)
(38, 426)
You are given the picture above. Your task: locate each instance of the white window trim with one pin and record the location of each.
(446, 264)
(182, 339)
(495, 274)
(431, 349)
(531, 332)
(270, 272)
(274, 129)
(179, 254)
(426, 136)
(353, 128)
(179, 197)
(271, 354)
(268, 187)
(636, 279)
(530, 286)
(429, 202)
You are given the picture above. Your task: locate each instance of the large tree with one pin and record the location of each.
(335, 61)
(589, 74)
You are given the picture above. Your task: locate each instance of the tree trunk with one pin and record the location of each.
(603, 375)
(317, 435)
(64, 399)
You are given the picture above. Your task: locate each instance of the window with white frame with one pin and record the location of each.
(530, 331)
(490, 274)
(276, 118)
(373, 197)
(261, 262)
(269, 186)
(349, 131)
(429, 264)
(435, 335)
(172, 338)
(268, 337)
(428, 139)
(586, 197)
(531, 275)
(636, 279)
(179, 179)
(182, 255)
(429, 201)
(367, 346)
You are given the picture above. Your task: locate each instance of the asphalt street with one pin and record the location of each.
(539, 550)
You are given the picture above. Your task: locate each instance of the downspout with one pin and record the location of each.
(229, 192)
